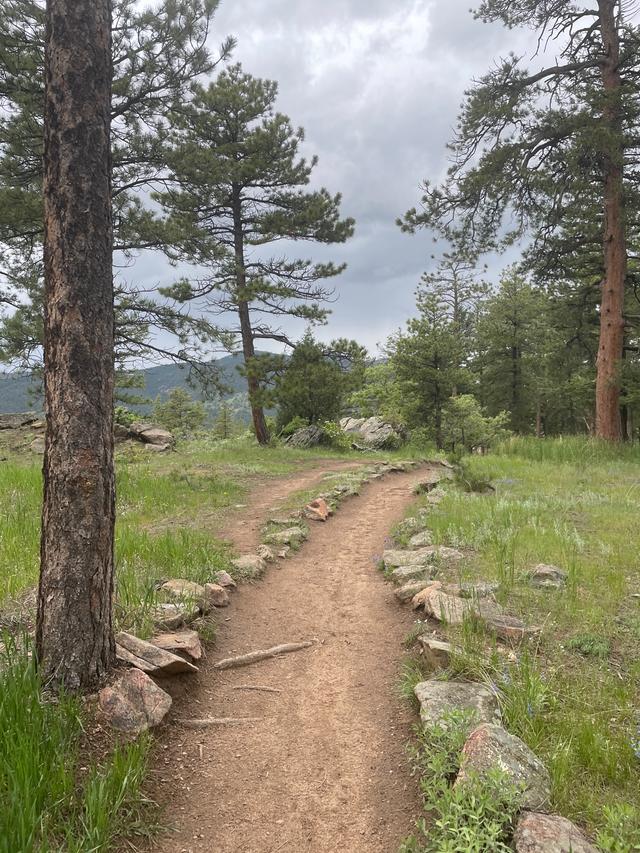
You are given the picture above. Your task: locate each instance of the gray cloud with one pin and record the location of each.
(377, 87)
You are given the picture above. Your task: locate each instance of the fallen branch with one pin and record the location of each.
(254, 657)
(257, 687)
(205, 722)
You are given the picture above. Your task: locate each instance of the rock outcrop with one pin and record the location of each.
(372, 433)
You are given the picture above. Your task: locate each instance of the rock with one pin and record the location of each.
(121, 432)
(548, 577)
(409, 590)
(250, 565)
(436, 653)
(317, 510)
(186, 641)
(508, 627)
(215, 596)
(439, 698)
(395, 559)
(148, 657)
(309, 436)
(266, 553)
(283, 553)
(16, 420)
(490, 746)
(289, 536)
(285, 520)
(183, 589)
(471, 590)
(543, 833)
(225, 580)
(420, 598)
(157, 448)
(420, 540)
(167, 617)
(404, 574)
(374, 433)
(411, 526)
(37, 445)
(446, 555)
(151, 434)
(446, 608)
(134, 703)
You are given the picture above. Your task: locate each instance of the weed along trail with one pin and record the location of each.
(304, 750)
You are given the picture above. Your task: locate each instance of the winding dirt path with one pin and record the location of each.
(324, 767)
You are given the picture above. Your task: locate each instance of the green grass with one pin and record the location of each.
(574, 695)
(48, 800)
(474, 817)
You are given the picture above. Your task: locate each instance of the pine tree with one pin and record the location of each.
(530, 146)
(179, 412)
(243, 187)
(157, 54)
(317, 380)
(75, 644)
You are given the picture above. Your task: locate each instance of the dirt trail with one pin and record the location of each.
(324, 769)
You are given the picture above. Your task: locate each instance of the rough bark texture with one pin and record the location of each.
(75, 644)
(246, 332)
(608, 419)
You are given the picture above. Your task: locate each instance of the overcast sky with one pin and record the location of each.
(377, 86)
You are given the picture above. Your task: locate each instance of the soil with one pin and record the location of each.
(323, 765)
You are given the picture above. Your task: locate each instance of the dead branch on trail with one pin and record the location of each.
(261, 687)
(254, 657)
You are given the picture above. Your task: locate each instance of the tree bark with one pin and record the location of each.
(608, 418)
(246, 332)
(74, 638)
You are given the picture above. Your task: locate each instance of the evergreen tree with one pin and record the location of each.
(243, 187)
(426, 361)
(317, 380)
(179, 412)
(157, 53)
(74, 636)
(530, 147)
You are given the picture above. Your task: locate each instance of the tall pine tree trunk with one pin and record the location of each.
(246, 332)
(608, 419)
(74, 628)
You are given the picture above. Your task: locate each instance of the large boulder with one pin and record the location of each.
(373, 433)
(309, 436)
(151, 434)
(490, 746)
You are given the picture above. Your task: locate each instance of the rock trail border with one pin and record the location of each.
(321, 765)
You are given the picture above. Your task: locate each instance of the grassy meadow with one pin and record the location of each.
(573, 694)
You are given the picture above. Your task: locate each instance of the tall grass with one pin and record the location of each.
(575, 503)
(45, 804)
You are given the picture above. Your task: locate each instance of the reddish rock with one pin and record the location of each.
(420, 598)
(543, 833)
(187, 642)
(215, 596)
(436, 653)
(318, 510)
(225, 580)
(134, 702)
(490, 746)
(149, 657)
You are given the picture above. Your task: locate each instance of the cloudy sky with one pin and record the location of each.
(377, 86)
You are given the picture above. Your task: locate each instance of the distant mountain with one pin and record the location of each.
(20, 392)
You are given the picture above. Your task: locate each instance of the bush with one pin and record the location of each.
(180, 413)
(466, 427)
(293, 426)
(335, 437)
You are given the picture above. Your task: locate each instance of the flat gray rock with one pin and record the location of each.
(250, 565)
(544, 833)
(288, 536)
(439, 698)
(394, 559)
(420, 540)
(490, 746)
(169, 616)
(404, 574)
(184, 589)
